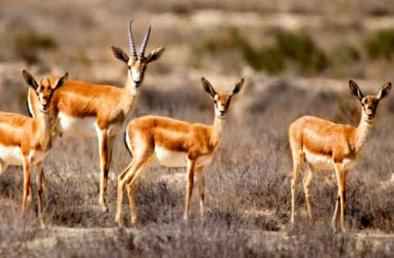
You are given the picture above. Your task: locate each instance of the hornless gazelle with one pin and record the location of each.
(87, 109)
(174, 143)
(25, 141)
(320, 144)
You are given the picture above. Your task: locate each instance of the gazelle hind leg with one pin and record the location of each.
(126, 176)
(298, 159)
(131, 187)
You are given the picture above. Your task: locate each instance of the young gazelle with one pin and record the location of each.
(25, 141)
(174, 143)
(85, 109)
(323, 145)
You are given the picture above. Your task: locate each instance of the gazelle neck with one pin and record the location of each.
(363, 129)
(130, 85)
(44, 126)
(218, 125)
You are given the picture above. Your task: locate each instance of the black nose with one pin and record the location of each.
(137, 84)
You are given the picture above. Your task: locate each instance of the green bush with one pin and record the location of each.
(381, 44)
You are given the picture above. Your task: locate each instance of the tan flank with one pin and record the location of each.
(85, 109)
(319, 144)
(173, 143)
(25, 141)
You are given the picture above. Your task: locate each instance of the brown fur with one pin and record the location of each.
(315, 141)
(109, 105)
(323, 137)
(197, 141)
(31, 136)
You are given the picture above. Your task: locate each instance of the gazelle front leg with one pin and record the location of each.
(189, 187)
(341, 181)
(40, 189)
(26, 182)
(104, 143)
(201, 188)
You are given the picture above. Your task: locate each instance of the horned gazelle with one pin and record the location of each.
(25, 141)
(174, 143)
(323, 145)
(87, 109)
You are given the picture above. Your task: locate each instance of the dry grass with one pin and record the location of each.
(247, 190)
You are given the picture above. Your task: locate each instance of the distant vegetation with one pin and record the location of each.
(297, 51)
(29, 42)
(381, 44)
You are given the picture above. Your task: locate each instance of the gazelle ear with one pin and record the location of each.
(208, 87)
(355, 90)
(120, 54)
(238, 86)
(384, 91)
(155, 54)
(30, 79)
(61, 81)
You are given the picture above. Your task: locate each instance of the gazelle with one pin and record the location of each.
(174, 143)
(323, 145)
(87, 109)
(25, 141)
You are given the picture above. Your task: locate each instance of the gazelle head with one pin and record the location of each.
(138, 61)
(221, 100)
(369, 103)
(44, 89)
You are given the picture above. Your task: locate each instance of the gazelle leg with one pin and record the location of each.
(40, 189)
(189, 187)
(131, 187)
(341, 180)
(307, 182)
(123, 180)
(120, 192)
(104, 152)
(26, 183)
(335, 215)
(297, 164)
(201, 188)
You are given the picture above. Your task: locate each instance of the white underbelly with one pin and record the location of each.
(324, 162)
(169, 158)
(79, 127)
(11, 155)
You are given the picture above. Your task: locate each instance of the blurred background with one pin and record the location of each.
(297, 57)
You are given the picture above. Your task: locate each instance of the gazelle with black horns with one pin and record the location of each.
(173, 143)
(88, 109)
(319, 144)
(25, 141)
